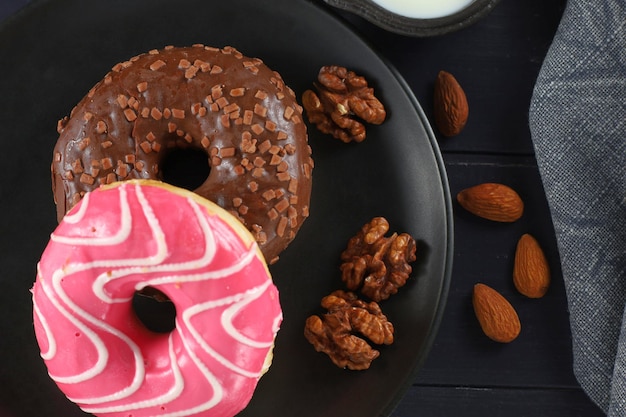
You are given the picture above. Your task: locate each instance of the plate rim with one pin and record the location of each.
(437, 318)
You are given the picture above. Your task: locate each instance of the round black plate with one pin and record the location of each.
(54, 51)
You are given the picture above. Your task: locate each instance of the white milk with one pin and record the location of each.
(423, 9)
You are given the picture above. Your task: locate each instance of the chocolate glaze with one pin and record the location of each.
(233, 107)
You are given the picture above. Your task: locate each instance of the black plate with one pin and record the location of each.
(54, 51)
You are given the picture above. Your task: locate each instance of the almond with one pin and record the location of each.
(496, 315)
(492, 201)
(449, 105)
(531, 274)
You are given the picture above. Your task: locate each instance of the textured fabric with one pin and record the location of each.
(578, 126)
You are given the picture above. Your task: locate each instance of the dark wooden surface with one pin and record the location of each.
(497, 61)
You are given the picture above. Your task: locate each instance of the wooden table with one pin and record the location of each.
(497, 61)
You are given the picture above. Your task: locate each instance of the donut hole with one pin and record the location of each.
(185, 167)
(154, 310)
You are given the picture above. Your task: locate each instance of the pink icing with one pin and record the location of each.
(119, 240)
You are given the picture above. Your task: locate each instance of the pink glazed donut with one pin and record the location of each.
(121, 239)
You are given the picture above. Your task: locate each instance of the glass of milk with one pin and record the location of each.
(419, 18)
(424, 9)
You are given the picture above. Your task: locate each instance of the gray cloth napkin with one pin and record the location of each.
(578, 126)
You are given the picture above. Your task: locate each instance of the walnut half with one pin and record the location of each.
(337, 332)
(376, 264)
(342, 96)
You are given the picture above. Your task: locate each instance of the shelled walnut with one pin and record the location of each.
(337, 332)
(376, 264)
(341, 96)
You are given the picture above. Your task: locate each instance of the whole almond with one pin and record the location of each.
(492, 201)
(497, 317)
(449, 105)
(531, 274)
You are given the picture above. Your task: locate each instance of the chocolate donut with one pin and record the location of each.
(234, 108)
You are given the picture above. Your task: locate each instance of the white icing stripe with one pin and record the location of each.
(78, 216)
(218, 391)
(277, 320)
(232, 311)
(173, 393)
(52, 344)
(103, 354)
(200, 308)
(148, 267)
(120, 236)
(205, 276)
(153, 259)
